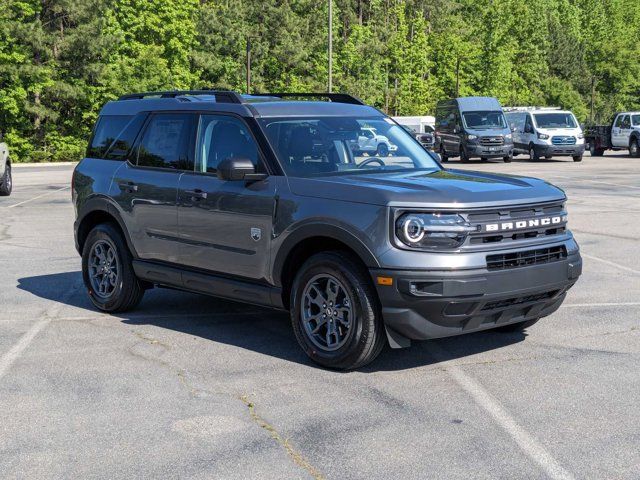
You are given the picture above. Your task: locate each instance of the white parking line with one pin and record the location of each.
(612, 264)
(39, 196)
(529, 445)
(21, 345)
(587, 305)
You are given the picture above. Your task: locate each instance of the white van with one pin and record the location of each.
(545, 132)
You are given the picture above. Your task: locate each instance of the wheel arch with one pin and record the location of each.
(310, 240)
(94, 212)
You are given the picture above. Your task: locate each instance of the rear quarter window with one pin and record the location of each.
(107, 130)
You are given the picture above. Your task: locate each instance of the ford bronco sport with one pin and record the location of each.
(261, 199)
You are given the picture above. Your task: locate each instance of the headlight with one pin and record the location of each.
(432, 230)
(508, 136)
(471, 137)
(581, 136)
(543, 136)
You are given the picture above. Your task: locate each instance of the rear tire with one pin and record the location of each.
(349, 332)
(517, 327)
(577, 158)
(107, 271)
(6, 182)
(634, 148)
(383, 150)
(595, 152)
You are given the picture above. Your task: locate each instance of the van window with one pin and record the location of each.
(166, 142)
(107, 129)
(484, 119)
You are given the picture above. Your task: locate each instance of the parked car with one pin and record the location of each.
(6, 180)
(262, 201)
(472, 127)
(421, 127)
(543, 132)
(427, 140)
(369, 141)
(622, 134)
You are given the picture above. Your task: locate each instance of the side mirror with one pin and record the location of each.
(513, 129)
(236, 169)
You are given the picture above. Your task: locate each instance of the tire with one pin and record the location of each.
(634, 148)
(6, 182)
(383, 150)
(595, 152)
(577, 158)
(533, 155)
(363, 340)
(464, 158)
(517, 327)
(507, 159)
(123, 291)
(484, 159)
(443, 154)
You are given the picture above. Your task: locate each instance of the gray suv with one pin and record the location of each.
(262, 199)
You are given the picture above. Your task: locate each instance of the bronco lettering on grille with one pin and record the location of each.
(522, 224)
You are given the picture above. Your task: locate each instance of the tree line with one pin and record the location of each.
(61, 60)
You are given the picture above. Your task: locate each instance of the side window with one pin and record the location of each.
(121, 147)
(221, 137)
(107, 130)
(626, 123)
(166, 142)
(618, 123)
(528, 125)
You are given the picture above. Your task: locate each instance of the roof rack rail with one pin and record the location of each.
(528, 109)
(332, 97)
(222, 96)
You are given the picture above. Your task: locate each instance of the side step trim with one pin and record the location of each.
(209, 284)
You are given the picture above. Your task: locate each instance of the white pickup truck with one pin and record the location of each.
(370, 142)
(6, 182)
(622, 134)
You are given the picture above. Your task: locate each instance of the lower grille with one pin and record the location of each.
(511, 302)
(529, 257)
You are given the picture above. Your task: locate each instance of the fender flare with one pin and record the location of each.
(318, 229)
(103, 204)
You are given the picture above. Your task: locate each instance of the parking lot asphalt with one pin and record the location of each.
(188, 386)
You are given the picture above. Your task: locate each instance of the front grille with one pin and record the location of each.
(514, 214)
(539, 256)
(511, 302)
(496, 141)
(563, 140)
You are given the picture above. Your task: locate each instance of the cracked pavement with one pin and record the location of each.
(188, 386)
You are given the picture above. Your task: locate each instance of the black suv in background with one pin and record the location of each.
(262, 199)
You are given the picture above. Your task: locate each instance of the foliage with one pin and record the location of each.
(61, 60)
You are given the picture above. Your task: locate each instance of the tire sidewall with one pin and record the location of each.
(6, 182)
(105, 232)
(357, 336)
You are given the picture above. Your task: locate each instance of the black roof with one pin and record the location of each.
(255, 105)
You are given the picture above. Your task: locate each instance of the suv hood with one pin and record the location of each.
(453, 189)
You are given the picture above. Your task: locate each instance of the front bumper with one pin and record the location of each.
(559, 150)
(422, 305)
(477, 150)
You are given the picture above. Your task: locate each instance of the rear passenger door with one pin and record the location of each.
(146, 185)
(225, 226)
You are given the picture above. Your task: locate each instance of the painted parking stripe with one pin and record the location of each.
(612, 264)
(39, 196)
(527, 443)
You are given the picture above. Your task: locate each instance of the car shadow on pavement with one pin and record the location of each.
(258, 329)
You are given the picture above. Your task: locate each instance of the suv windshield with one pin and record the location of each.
(554, 120)
(481, 120)
(313, 147)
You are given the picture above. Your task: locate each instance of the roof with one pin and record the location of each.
(474, 104)
(256, 105)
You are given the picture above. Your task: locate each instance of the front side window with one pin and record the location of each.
(555, 120)
(484, 120)
(222, 137)
(313, 147)
(166, 142)
(625, 122)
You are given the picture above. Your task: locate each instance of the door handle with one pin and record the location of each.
(196, 194)
(128, 187)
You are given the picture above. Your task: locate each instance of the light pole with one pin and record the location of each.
(330, 47)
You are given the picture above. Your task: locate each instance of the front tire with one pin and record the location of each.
(107, 271)
(6, 182)
(335, 313)
(517, 327)
(464, 157)
(577, 158)
(383, 150)
(507, 159)
(533, 155)
(443, 154)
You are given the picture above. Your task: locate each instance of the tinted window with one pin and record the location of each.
(166, 142)
(107, 130)
(222, 137)
(555, 120)
(121, 147)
